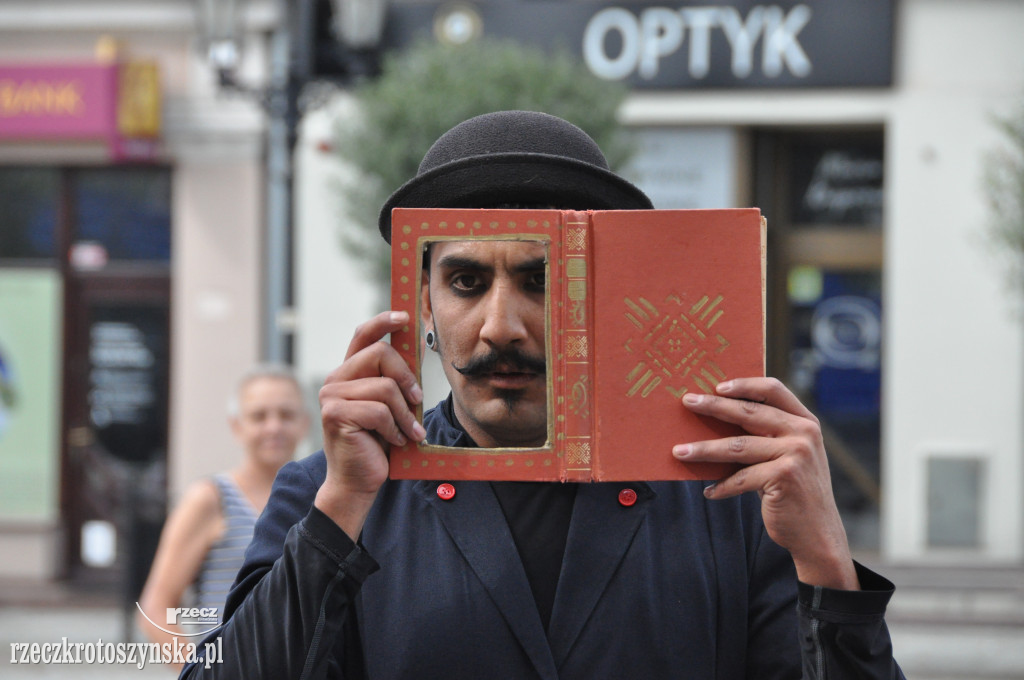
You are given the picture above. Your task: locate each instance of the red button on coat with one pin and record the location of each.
(446, 491)
(627, 498)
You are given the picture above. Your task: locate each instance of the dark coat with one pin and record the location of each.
(673, 586)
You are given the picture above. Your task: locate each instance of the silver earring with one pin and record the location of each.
(431, 340)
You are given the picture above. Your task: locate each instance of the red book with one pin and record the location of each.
(642, 307)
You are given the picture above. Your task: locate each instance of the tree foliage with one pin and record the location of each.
(429, 88)
(1004, 184)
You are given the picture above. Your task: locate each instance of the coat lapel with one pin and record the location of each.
(600, 533)
(493, 558)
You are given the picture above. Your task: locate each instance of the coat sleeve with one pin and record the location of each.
(843, 633)
(840, 634)
(293, 598)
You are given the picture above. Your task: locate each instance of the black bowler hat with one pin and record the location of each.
(514, 157)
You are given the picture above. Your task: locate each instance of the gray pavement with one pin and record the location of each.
(946, 624)
(957, 623)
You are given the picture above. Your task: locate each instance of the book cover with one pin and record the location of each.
(641, 308)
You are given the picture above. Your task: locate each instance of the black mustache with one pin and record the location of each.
(508, 360)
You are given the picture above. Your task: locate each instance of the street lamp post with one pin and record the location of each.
(357, 26)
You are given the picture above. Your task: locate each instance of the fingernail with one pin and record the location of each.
(418, 432)
(397, 317)
(682, 451)
(417, 393)
(709, 490)
(692, 398)
(725, 386)
(401, 439)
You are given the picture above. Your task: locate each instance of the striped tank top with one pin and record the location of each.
(224, 559)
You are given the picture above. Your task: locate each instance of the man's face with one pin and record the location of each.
(485, 302)
(271, 420)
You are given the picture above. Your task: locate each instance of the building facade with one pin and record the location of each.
(130, 274)
(862, 131)
(132, 260)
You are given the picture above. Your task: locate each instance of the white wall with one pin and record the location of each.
(953, 353)
(331, 291)
(215, 309)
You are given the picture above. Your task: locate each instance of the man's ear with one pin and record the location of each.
(426, 312)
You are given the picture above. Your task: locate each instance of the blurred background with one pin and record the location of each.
(188, 187)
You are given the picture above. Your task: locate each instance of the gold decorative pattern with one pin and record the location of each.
(579, 398)
(675, 344)
(578, 314)
(576, 347)
(576, 239)
(577, 454)
(576, 267)
(577, 290)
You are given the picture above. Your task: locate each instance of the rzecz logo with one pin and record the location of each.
(186, 617)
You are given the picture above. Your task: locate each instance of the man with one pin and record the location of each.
(352, 575)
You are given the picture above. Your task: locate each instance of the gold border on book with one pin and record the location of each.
(421, 241)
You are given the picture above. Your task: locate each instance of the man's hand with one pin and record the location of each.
(784, 460)
(365, 405)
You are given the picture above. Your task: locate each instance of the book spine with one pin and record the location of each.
(576, 391)
(764, 296)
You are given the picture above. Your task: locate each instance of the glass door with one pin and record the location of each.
(822, 193)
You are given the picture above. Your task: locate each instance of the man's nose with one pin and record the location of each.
(503, 322)
(273, 423)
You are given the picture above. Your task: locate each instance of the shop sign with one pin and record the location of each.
(115, 103)
(837, 184)
(737, 44)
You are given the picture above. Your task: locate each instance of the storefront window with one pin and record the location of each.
(30, 337)
(835, 367)
(29, 198)
(126, 211)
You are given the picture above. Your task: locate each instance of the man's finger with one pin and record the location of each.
(770, 391)
(754, 417)
(345, 403)
(377, 360)
(374, 417)
(375, 329)
(745, 450)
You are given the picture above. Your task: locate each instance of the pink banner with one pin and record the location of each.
(58, 102)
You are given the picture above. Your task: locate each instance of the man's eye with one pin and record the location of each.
(538, 280)
(465, 282)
